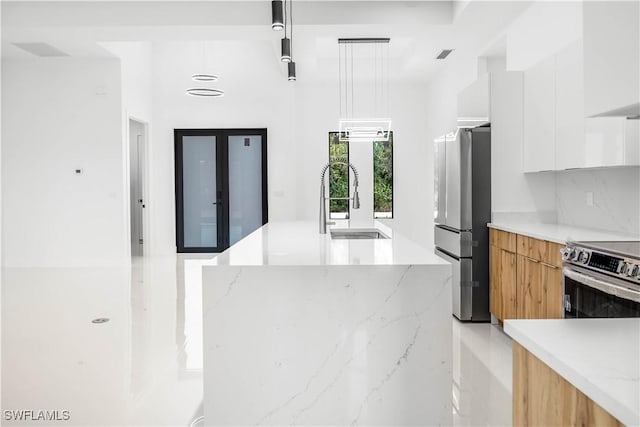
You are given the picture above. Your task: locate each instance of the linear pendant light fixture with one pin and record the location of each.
(276, 15)
(361, 119)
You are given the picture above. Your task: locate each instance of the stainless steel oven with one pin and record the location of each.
(601, 279)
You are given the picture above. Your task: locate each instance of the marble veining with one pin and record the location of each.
(328, 345)
(616, 198)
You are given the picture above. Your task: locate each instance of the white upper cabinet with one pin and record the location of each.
(557, 136)
(611, 141)
(611, 57)
(539, 116)
(569, 108)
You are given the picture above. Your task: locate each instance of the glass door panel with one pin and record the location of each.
(199, 191)
(245, 185)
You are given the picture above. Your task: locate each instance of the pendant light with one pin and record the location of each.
(203, 91)
(204, 77)
(276, 15)
(291, 66)
(286, 49)
(361, 119)
(292, 71)
(285, 52)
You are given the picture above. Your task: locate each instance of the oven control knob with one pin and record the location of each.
(583, 257)
(576, 254)
(631, 269)
(566, 253)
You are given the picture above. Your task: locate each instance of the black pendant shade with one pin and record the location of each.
(286, 50)
(292, 71)
(277, 22)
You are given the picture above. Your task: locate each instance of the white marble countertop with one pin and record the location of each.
(300, 243)
(300, 329)
(600, 357)
(559, 233)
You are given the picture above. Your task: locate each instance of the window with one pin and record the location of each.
(339, 178)
(383, 178)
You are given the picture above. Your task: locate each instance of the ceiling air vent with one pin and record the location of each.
(444, 53)
(41, 49)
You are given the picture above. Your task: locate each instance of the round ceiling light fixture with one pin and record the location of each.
(204, 77)
(205, 92)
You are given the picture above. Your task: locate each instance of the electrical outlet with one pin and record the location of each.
(589, 198)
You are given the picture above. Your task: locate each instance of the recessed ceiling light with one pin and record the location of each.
(444, 53)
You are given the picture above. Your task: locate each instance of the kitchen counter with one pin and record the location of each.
(559, 233)
(600, 357)
(300, 329)
(300, 243)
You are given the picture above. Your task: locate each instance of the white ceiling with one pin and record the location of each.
(418, 29)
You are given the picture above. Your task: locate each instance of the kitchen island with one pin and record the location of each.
(304, 329)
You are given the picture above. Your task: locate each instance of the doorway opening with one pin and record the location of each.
(221, 187)
(137, 145)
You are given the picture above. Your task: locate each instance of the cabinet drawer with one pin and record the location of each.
(502, 239)
(539, 250)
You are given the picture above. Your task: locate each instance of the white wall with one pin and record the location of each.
(137, 103)
(257, 95)
(545, 28)
(59, 115)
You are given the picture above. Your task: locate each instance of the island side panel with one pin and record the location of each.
(327, 345)
(542, 397)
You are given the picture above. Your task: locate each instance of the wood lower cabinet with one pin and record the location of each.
(503, 283)
(539, 289)
(541, 397)
(525, 277)
(502, 274)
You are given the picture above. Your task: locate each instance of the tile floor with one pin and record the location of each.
(144, 366)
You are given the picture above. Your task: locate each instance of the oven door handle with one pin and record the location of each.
(601, 285)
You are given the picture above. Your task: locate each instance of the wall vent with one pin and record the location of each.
(444, 53)
(41, 49)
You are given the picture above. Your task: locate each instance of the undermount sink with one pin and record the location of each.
(358, 233)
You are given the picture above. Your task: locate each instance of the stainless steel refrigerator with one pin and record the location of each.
(462, 210)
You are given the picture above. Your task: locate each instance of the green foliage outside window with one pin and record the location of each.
(382, 177)
(338, 176)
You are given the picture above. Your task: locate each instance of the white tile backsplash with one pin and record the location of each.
(615, 194)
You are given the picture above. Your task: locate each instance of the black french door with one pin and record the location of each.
(221, 186)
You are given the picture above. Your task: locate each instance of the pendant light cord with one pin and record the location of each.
(291, 26)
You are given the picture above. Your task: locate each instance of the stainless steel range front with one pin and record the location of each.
(601, 279)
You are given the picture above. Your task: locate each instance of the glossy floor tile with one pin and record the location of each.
(144, 366)
(482, 373)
